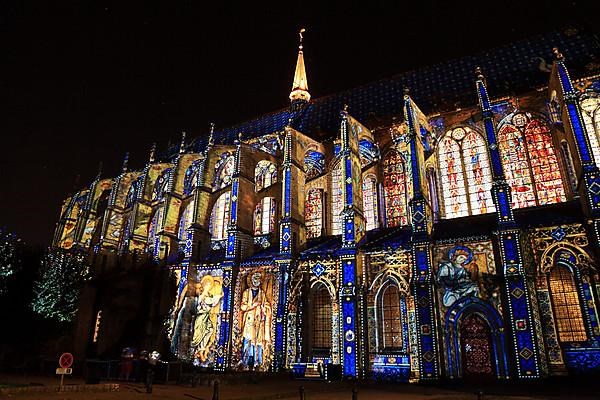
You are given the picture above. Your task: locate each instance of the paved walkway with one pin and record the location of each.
(284, 388)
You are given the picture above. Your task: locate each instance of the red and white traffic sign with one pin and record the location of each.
(65, 360)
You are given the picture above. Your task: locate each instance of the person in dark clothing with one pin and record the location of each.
(144, 369)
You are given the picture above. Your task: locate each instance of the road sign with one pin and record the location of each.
(66, 360)
(64, 371)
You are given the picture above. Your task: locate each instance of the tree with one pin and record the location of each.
(56, 292)
(10, 260)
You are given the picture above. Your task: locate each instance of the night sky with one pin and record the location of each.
(85, 83)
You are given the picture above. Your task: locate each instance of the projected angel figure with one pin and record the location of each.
(454, 277)
(209, 294)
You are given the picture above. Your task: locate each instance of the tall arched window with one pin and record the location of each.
(567, 307)
(314, 164)
(369, 190)
(390, 318)
(186, 220)
(529, 161)
(313, 213)
(337, 200)
(433, 193)
(321, 321)
(132, 193)
(465, 173)
(153, 230)
(160, 186)
(224, 169)
(265, 174)
(394, 189)
(190, 181)
(264, 216)
(590, 110)
(219, 218)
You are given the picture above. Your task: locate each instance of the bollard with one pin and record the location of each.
(215, 390)
(302, 393)
(480, 395)
(354, 393)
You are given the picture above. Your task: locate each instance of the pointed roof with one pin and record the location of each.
(300, 85)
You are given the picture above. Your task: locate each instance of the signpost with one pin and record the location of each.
(65, 361)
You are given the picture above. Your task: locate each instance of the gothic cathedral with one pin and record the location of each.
(442, 223)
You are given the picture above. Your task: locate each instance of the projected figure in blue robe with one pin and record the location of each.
(454, 277)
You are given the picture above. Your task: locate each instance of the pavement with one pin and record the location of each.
(284, 388)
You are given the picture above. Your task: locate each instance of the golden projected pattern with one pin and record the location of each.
(255, 301)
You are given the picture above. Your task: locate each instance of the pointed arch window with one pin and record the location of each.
(465, 173)
(370, 209)
(264, 216)
(153, 230)
(190, 181)
(390, 321)
(590, 110)
(394, 189)
(568, 316)
(313, 213)
(529, 161)
(132, 193)
(224, 169)
(337, 200)
(186, 221)
(265, 175)
(160, 186)
(314, 164)
(322, 314)
(219, 218)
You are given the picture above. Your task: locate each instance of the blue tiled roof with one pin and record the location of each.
(387, 239)
(322, 246)
(516, 67)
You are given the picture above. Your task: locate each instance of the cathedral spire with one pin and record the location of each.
(299, 94)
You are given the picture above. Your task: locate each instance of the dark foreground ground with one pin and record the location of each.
(282, 387)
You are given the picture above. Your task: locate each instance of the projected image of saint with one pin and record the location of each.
(456, 275)
(209, 293)
(256, 323)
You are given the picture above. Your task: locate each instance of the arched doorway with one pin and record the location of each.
(321, 321)
(476, 348)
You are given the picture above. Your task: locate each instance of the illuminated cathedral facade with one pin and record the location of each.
(447, 232)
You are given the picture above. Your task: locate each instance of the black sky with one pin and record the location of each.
(86, 82)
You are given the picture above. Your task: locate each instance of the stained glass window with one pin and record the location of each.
(314, 164)
(264, 216)
(337, 201)
(567, 308)
(219, 218)
(224, 171)
(394, 189)
(369, 152)
(322, 312)
(313, 213)
(132, 193)
(160, 186)
(370, 209)
(390, 321)
(153, 230)
(265, 174)
(190, 181)
(186, 220)
(529, 162)
(433, 192)
(569, 166)
(590, 110)
(465, 174)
